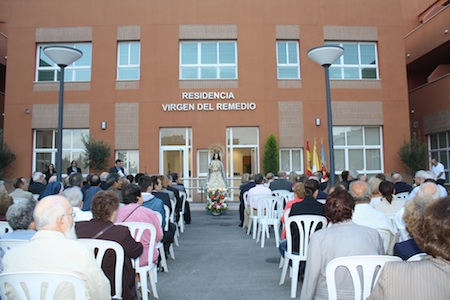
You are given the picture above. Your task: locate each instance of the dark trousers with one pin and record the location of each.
(168, 237)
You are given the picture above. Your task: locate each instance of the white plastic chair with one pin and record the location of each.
(267, 215)
(369, 265)
(149, 271)
(166, 228)
(386, 236)
(160, 246)
(6, 245)
(4, 227)
(32, 283)
(172, 220)
(416, 257)
(183, 197)
(306, 226)
(286, 196)
(100, 247)
(253, 216)
(246, 204)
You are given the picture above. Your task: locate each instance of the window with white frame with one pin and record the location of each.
(291, 159)
(288, 65)
(80, 70)
(130, 159)
(128, 60)
(358, 62)
(46, 148)
(439, 146)
(358, 148)
(208, 60)
(203, 159)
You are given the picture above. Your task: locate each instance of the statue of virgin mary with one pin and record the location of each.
(216, 178)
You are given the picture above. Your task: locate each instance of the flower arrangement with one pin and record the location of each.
(216, 200)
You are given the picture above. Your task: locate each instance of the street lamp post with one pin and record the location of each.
(326, 55)
(62, 56)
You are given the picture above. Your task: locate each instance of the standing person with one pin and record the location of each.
(343, 238)
(104, 209)
(54, 249)
(73, 168)
(50, 171)
(439, 170)
(118, 168)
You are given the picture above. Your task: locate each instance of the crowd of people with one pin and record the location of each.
(51, 215)
(358, 209)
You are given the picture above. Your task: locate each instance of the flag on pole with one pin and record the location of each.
(323, 161)
(316, 164)
(308, 160)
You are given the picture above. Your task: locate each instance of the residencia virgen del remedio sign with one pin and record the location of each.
(193, 102)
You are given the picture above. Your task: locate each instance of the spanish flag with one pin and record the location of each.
(308, 160)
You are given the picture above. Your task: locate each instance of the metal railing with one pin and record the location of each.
(196, 189)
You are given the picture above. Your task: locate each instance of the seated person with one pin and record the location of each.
(20, 218)
(299, 191)
(389, 203)
(54, 249)
(429, 277)
(133, 211)
(343, 238)
(104, 208)
(309, 206)
(413, 219)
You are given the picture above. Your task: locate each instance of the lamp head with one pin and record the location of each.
(62, 55)
(325, 55)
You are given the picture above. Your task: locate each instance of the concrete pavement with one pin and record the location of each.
(217, 260)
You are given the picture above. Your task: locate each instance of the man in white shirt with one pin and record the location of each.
(365, 214)
(438, 169)
(54, 249)
(253, 194)
(75, 197)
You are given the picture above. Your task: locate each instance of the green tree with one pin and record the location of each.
(96, 153)
(271, 155)
(6, 155)
(413, 154)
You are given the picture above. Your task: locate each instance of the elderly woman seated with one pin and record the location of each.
(427, 278)
(104, 208)
(20, 218)
(343, 238)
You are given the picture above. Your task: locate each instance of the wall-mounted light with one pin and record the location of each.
(445, 31)
(103, 125)
(408, 55)
(27, 111)
(317, 121)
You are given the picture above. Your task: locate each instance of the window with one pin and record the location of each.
(208, 60)
(288, 66)
(358, 62)
(47, 70)
(130, 160)
(358, 148)
(291, 159)
(128, 60)
(45, 149)
(439, 146)
(202, 162)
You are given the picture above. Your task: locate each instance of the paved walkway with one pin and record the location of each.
(217, 260)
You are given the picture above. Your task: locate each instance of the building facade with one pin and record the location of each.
(162, 81)
(427, 46)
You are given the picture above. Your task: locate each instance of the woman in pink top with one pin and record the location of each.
(299, 191)
(133, 211)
